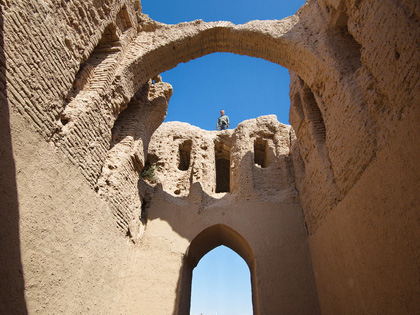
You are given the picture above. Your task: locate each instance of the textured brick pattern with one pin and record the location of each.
(359, 100)
(79, 72)
(73, 68)
(46, 43)
(125, 160)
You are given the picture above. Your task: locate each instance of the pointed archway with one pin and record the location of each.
(203, 243)
(221, 284)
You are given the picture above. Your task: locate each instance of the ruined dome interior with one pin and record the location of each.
(105, 210)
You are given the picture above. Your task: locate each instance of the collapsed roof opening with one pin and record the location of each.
(239, 99)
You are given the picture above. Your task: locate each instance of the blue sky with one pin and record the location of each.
(246, 88)
(221, 284)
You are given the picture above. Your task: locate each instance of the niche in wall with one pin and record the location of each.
(184, 155)
(260, 152)
(314, 115)
(222, 155)
(123, 19)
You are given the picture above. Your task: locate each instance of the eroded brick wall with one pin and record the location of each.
(341, 122)
(356, 155)
(71, 68)
(62, 61)
(46, 45)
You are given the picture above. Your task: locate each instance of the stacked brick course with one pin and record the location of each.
(79, 73)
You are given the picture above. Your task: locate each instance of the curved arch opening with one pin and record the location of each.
(245, 87)
(221, 284)
(202, 244)
(250, 39)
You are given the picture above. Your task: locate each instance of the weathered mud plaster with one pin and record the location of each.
(259, 204)
(82, 232)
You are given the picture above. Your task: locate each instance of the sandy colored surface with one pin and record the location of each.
(82, 232)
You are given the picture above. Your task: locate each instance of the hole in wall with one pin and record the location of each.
(144, 207)
(222, 175)
(222, 155)
(260, 152)
(64, 120)
(184, 155)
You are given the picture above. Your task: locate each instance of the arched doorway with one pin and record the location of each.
(221, 284)
(203, 243)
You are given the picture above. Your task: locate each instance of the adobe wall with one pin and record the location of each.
(260, 206)
(277, 236)
(366, 252)
(359, 146)
(73, 260)
(80, 83)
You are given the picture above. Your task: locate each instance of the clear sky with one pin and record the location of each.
(246, 88)
(221, 284)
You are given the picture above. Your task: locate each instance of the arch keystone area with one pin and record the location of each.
(215, 236)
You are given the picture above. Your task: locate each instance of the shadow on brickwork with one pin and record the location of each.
(12, 299)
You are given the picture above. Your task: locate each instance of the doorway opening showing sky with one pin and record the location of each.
(221, 284)
(243, 86)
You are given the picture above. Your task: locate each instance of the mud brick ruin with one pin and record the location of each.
(325, 212)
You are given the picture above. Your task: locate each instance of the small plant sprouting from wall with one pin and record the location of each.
(149, 173)
(150, 168)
